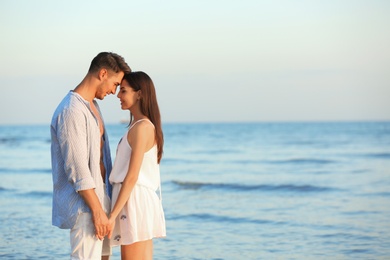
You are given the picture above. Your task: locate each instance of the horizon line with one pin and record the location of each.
(122, 122)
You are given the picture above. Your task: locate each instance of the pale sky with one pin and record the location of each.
(211, 61)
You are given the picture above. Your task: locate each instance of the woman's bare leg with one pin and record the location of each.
(139, 250)
(149, 250)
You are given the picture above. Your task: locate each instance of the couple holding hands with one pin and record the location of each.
(107, 205)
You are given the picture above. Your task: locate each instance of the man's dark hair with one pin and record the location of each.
(110, 61)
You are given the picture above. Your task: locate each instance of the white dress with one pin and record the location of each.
(142, 217)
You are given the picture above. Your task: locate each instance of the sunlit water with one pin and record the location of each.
(230, 191)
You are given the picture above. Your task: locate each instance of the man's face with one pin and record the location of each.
(109, 84)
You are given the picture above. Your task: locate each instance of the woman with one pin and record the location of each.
(137, 215)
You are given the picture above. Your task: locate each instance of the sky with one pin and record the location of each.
(211, 61)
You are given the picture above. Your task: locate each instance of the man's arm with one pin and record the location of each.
(72, 137)
(73, 140)
(99, 217)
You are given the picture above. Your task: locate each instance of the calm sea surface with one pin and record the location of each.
(230, 191)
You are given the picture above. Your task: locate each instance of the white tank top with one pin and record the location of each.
(149, 175)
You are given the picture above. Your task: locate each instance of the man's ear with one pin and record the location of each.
(102, 73)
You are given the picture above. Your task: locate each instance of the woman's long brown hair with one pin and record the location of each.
(139, 80)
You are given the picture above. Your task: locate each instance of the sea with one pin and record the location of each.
(267, 190)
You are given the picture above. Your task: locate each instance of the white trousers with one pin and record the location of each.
(84, 244)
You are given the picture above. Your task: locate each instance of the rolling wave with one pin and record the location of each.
(242, 187)
(38, 194)
(378, 155)
(9, 140)
(378, 194)
(16, 170)
(301, 161)
(298, 161)
(220, 218)
(186, 161)
(29, 194)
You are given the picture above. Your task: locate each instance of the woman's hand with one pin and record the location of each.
(111, 226)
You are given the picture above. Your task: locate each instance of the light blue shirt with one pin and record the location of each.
(75, 158)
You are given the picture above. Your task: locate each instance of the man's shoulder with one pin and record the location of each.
(71, 107)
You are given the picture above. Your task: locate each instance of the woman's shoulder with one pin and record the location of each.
(142, 124)
(141, 130)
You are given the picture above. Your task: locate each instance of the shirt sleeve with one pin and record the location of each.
(73, 141)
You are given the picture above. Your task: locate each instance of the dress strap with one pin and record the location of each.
(144, 119)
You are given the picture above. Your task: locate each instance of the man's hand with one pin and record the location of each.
(100, 221)
(99, 217)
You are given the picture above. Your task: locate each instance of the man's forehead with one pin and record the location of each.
(118, 76)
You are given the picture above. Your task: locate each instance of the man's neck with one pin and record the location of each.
(85, 89)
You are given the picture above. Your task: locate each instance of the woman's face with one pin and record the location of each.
(127, 95)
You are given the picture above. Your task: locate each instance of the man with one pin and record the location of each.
(81, 160)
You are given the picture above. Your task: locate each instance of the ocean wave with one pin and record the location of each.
(220, 218)
(378, 194)
(38, 194)
(301, 161)
(348, 236)
(9, 140)
(247, 161)
(303, 143)
(7, 190)
(243, 187)
(298, 161)
(29, 194)
(18, 170)
(186, 161)
(216, 151)
(378, 155)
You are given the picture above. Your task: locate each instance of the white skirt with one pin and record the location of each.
(142, 217)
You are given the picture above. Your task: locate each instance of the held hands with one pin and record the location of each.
(101, 223)
(99, 217)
